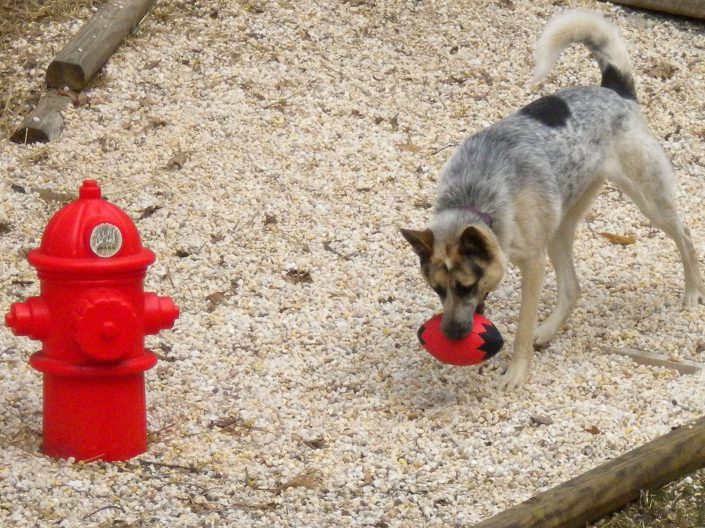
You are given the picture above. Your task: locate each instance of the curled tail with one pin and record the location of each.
(601, 38)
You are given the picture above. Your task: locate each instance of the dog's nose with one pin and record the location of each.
(454, 330)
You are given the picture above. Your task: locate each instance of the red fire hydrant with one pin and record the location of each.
(91, 316)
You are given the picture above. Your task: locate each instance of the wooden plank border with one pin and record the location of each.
(90, 48)
(44, 123)
(610, 486)
(75, 65)
(689, 8)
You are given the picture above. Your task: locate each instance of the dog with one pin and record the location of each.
(516, 191)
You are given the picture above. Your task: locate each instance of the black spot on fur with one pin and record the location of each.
(615, 80)
(551, 111)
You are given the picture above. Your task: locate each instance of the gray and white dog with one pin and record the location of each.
(517, 190)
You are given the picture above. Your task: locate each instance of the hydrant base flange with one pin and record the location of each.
(107, 429)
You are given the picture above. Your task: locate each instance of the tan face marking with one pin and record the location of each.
(462, 270)
(447, 269)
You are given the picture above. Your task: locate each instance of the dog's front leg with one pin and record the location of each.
(532, 274)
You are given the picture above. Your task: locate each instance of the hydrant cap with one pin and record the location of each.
(90, 234)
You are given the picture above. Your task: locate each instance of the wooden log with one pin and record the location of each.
(97, 39)
(44, 123)
(689, 8)
(610, 486)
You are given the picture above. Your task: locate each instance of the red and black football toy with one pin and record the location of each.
(483, 342)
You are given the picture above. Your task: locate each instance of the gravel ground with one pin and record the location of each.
(270, 151)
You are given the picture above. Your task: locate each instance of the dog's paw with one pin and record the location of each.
(543, 337)
(514, 378)
(693, 298)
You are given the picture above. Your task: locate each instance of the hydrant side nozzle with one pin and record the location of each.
(160, 313)
(29, 318)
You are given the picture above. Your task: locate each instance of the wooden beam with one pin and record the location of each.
(610, 486)
(97, 39)
(689, 8)
(44, 123)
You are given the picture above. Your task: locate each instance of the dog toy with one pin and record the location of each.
(483, 342)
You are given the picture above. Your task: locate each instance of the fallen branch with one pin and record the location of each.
(643, 357)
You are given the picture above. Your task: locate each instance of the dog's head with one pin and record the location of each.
(462, 268)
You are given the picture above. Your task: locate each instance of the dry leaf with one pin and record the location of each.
(593, 430)
(156, 122)
(298, 276)
(308, 480)
(624, 240)
(216, 299)
(149, 211)
(408, 147)
(52, 196)
(423, 204)
(177, 161)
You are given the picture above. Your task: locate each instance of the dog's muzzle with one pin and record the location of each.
(454, 330)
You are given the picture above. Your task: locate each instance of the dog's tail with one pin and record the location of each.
(601, 38)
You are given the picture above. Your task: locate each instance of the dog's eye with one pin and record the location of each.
(441, 291)
(463, 291)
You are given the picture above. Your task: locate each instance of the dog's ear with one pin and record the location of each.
(475, 242)
(480, 243)
(421, 242)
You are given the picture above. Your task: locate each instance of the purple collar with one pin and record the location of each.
(485, 217)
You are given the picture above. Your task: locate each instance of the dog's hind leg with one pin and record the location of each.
(560, 251)
(646, 177)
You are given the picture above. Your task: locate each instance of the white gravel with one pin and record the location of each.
(312, 132)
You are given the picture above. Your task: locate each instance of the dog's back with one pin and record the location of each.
(555, 144)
